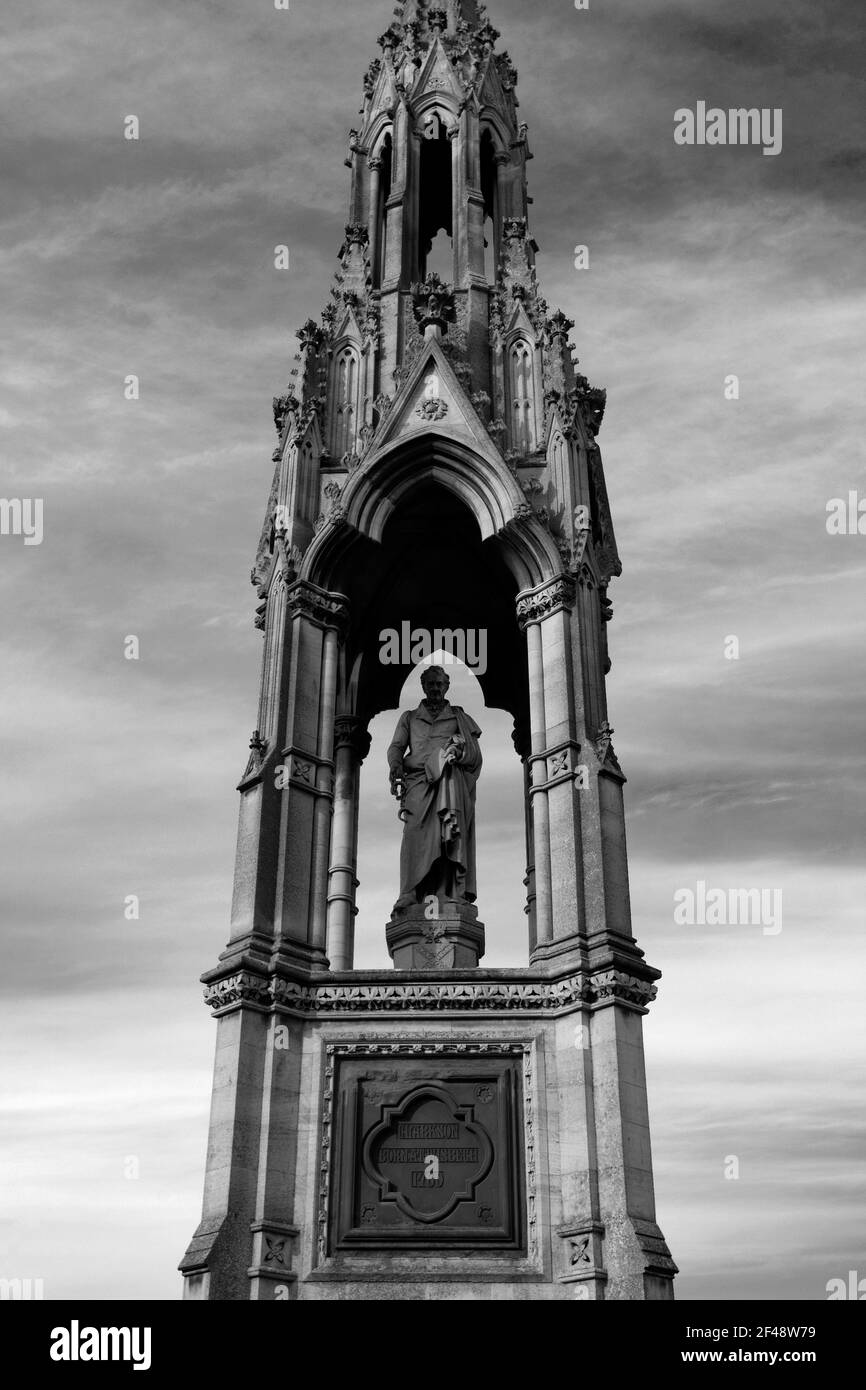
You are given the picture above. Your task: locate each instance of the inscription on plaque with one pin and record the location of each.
(428, 1153)
(447, 1152)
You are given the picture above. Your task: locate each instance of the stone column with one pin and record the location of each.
(325, 788)
(529, 880)
(501, 206)
(537, 795)
(400, 231)
(374, 217)
(351, 746)
(545, 612)
(216, 1262)
(252, 911)
(458, 204)
(637, 1259)
(300, 864)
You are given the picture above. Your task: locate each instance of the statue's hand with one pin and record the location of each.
(455, 749)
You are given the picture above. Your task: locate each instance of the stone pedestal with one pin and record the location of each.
(452, 941)
(461, 1134)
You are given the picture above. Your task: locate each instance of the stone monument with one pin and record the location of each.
(436, 1129)
(435, 760)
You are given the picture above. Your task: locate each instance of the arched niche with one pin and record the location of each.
(492, 211)
(434, 535)
(432, 569)
(435, 199)
(482, 483)
(521, 394)
(345, 398)
(500, 826)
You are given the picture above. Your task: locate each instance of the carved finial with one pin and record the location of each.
(434, 304)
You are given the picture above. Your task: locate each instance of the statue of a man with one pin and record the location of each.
(434, 761)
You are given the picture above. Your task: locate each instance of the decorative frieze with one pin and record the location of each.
(242, 988)
(616, 986)
(387, 996)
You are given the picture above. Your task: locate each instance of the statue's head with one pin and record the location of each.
(434, 683)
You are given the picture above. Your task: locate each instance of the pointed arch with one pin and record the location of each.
(344, 404)
(521, 394)
(492, 497)
(435, 197)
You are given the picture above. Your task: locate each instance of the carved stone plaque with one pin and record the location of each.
(427, 1153)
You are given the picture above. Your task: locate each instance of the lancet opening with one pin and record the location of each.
(435, 212)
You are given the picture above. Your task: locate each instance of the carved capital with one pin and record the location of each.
(308, 601)
(549, 598)
(351, 732)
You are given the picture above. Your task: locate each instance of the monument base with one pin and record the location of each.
(458, 1134)
(452, 941)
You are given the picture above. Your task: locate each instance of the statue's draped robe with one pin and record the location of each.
(438, 802)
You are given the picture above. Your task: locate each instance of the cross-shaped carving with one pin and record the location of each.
(579, 1254)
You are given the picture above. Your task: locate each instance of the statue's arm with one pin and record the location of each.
(396, 749)
(470, 756)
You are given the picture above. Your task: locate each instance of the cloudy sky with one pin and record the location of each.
(155, 258)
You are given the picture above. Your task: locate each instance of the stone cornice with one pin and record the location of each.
(391, 994)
